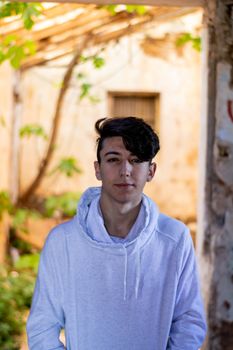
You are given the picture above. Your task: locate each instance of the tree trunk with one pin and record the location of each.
(56, 123)
(215, 240)
(15, 139)
(4, 237)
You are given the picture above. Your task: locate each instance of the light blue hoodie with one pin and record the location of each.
(139, 293)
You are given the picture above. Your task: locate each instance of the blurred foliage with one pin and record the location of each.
(33, 129)
(21, 215)
(28, 261)
(97, 61)
(85, 90)
(189, 38)
(16, 290)
(85, 86)
(14, 48)
(67, 166)
(5, 203)
(27, 11)
(136, 9)
(65, 204)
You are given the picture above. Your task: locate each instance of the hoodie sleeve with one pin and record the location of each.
(188, 327)
(46, 317)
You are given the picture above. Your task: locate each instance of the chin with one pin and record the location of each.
(127, 197)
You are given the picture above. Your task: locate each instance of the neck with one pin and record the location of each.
(119, 218)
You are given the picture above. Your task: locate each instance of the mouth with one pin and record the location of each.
(124, 185)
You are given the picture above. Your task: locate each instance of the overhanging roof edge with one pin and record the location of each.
(176, 3)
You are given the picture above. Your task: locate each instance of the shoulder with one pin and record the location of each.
(57, 235)
(176, 237)
(172, 230)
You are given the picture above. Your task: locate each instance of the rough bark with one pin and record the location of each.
(217, 247)
(15, 140)
(24, 198)
(4, 237)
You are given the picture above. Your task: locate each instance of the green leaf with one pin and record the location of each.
(130, 8)
(8, 9)
(85, 89)
(67, 166)
(197, 44)
(98, 62)
(2, 57)
(9, 50)
(27, 11)
(137, 9)
(188, 38)
(111, 8)
(28, 23)
(32, 10)
(17, 57)
(9, 39)
(29, 47)
(16, 53)
(141, 10)
(33, 129)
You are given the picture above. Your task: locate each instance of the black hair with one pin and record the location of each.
(138, 137)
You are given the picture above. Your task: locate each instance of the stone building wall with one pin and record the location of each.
(176, 77)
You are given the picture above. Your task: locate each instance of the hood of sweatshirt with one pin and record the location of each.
(89, 217)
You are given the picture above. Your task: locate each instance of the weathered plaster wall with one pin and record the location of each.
(176, 78)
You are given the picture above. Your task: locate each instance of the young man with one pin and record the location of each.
(120, 275)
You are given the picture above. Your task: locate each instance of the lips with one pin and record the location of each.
(124, 185)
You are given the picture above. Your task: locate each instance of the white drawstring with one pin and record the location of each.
(138, 272)
(125, 272)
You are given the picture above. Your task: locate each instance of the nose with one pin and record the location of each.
(125, 169)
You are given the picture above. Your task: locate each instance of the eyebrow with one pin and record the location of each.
(111, 152)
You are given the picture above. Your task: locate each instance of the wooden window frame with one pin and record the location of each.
(120, 93)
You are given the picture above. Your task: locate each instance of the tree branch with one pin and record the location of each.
(56, 123)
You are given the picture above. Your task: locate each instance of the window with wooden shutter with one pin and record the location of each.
(138, 104)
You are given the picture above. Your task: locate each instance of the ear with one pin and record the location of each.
(97, 170)
(151, 172)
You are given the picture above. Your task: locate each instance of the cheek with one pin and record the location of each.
(141, 177)
(107, 174)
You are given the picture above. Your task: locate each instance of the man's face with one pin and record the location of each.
(122, 174)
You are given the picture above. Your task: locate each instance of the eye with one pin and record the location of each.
(136, 161)
(112, 160)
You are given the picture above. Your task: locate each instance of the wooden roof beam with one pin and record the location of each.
(96, 20)
(16, 26)
(95, 40)
(179, 3)
(91, 26)
(67, 45)
(73, 40)
(52, 28)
